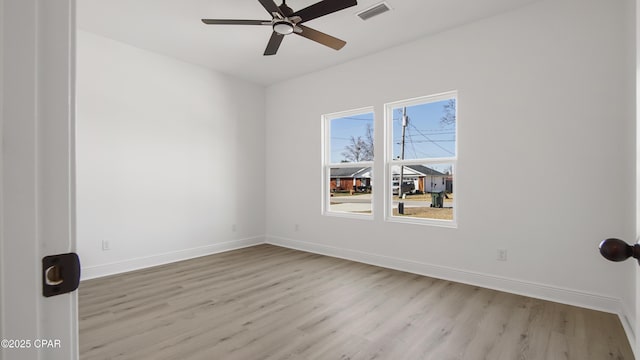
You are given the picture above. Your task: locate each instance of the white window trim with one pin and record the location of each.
(389, 161)
(327, 165)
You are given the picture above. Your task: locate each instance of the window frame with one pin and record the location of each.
(389, 162)
(327, 165)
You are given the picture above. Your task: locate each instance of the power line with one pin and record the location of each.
(411, 142)
(340, 138)
(432, 141)
(438, 131)
(397, 142)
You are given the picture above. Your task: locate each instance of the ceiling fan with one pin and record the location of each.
(285, 21)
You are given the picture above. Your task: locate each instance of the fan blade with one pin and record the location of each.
(274, 44)
(235, 22)
(321, 37)
(323, 8)
(271, 7)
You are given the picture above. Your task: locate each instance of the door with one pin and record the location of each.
(636, 346)
(37, 175)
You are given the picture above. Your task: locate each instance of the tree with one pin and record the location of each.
(356, 150)
(369, 142)
(449, 110)
(360, 149)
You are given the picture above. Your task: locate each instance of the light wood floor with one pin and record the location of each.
(267, 302)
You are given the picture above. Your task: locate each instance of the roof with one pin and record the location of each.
(419, 170)
(351, 172)
(348, 172)
(425, 170)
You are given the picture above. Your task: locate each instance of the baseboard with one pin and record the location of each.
(540, 291)
(119, 267)
(627, 319)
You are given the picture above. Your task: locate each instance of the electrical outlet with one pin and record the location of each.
(296, 227)
(106, 245)
(234, 228)
(502, 255)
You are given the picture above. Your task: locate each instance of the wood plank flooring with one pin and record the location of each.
(267, 302)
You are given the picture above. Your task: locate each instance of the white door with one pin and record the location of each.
(636, 346)
(37, 175)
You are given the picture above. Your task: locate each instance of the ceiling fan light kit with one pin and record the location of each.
(285, 21)
(283, 27)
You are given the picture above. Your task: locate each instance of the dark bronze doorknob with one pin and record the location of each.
(618, 250)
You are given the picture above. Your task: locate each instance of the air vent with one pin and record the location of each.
(375, 10)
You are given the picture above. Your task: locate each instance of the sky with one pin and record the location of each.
(425, 135)
(343, 128)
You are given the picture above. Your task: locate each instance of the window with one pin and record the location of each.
(421, 159)
(348, 163)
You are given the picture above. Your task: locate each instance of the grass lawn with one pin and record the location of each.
(420, 212)
(423, 212)
(424, 197)
(416, 197)
(341, 194)
(427, 213)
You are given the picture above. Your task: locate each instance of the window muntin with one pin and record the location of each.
(422, 149)
(348, 163)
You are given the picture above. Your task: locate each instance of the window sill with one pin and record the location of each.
(347, 215)
(417, 221)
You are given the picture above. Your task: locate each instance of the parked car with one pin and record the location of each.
(408, 187)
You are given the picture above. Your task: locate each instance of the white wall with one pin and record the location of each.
(169, 157)
(546, 153)
(3, 333)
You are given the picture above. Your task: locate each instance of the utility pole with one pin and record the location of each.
(405, 122)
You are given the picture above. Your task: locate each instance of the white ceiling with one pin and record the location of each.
(173, 28)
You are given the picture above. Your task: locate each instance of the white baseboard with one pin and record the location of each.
(93, 272)
(534, 290)
(627, 320)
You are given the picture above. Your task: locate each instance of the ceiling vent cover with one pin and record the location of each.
(375, 10)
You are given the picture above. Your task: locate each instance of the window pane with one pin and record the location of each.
(350, 190)
(429, 130)
(426, 193)
(351, 138)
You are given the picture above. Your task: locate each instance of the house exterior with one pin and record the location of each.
(350, 179)
(449, 183)
(424, 178)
